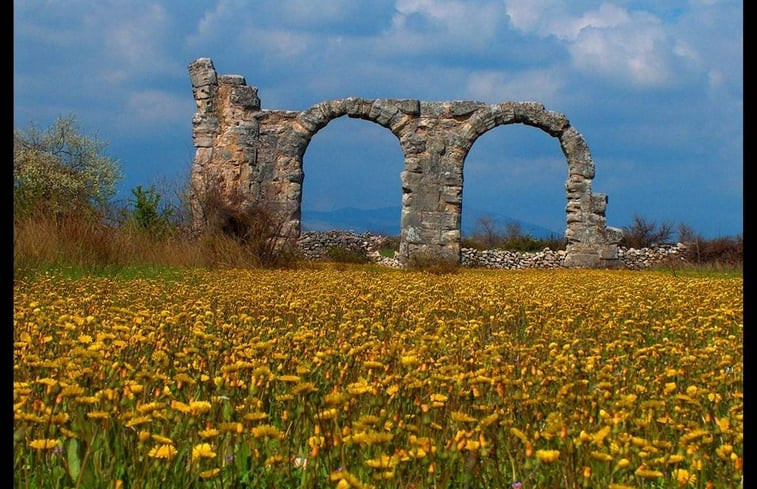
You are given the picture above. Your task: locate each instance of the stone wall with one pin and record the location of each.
(249, 157)
(315, 245)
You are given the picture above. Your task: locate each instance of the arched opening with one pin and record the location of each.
(352, 179)
(514, 185)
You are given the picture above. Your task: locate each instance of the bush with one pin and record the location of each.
(646, 234)
(426, 262)
(346, 254)
(389, 246)
(486, 236)
(720, 251)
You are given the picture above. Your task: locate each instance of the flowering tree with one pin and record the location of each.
(61, 170)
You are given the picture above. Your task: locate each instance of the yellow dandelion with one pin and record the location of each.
(304, 388)
(162, 439)
(199, 407)
(382, 462)
(231, 427)
(409, 360)
(44, 444)
(724, 451)
(329, 413)
(288, 378)
(149, 407)
(601, 456)
(462, 417)
(143, 436)
(203, 450)
(209, 474)
(98, 415)
(674, 459)
(274, 460)
(646, 473)
(267, 431)
(166, 452)
(180, 406)
(683, 477)
(208, 433)
(255, 416)
(138, 421)
(519, 434)
(87, 400)
(547, 456)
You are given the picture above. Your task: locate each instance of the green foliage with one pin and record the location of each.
(61, 170)
(346, 254)
(147, 212)
(389, 246)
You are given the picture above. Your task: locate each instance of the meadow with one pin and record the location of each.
(359, 377)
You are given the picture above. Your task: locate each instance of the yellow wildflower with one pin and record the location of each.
(164, 451)
(266, 431)
(547, 456)
(44, 444)
(683, 477)
(208, 433)
(203, 450)
(209, 474)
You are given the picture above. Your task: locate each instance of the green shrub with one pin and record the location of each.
(346, 254)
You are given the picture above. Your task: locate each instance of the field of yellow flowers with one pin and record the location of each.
(359, 378)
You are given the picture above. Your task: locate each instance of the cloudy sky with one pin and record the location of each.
(655, 88)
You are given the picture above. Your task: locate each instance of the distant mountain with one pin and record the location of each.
(386, 221)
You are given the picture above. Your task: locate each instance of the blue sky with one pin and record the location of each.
(655, 88)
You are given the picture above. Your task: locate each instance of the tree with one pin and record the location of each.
(61, 170)
(486, 231)
(644, 234)
(148, 213)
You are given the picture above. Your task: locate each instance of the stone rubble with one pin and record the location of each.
(316, 245)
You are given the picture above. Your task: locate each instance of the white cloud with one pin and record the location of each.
(630, 47)
(445, 24)
(498, 86)
(148, 110)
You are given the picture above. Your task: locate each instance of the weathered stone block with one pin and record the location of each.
(245, 97)
(465, 107)
(231, 80)
(202, 72)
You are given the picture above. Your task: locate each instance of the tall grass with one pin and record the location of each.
(85, 244)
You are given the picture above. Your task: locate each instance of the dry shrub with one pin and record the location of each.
(430, 263)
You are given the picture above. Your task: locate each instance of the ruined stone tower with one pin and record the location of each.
(248, 157)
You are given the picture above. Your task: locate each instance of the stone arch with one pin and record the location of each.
(586, 229)
(252, 158)
(384, 113)
(391, 114)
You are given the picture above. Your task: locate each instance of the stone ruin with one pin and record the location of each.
(251, 158)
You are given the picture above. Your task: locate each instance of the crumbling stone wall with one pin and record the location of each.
(247, 156)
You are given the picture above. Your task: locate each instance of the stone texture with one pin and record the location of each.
(314, 246)
(247, 156)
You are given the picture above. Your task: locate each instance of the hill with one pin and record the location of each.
(386, 221)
